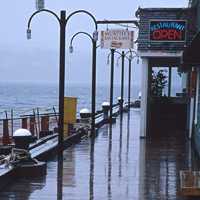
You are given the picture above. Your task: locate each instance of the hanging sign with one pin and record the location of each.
(168, 30)
(117, 39)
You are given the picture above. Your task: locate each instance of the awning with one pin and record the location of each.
(191, 54)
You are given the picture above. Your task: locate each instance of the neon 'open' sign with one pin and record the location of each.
(168, 30)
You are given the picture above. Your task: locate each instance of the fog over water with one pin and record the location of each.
(37, 60)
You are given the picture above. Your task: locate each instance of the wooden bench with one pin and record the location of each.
(190, 183)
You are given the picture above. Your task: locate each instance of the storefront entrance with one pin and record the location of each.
(167, 101)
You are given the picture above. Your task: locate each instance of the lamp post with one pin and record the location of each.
(62, 22)
(111, 82)
(122, 82)
(130, 58)
(112, 53)
(93, 96)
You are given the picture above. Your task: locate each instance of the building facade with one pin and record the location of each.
(191, 61)
(164, 33)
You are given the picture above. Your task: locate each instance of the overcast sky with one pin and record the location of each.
(37, 59)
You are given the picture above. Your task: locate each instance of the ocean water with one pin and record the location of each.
(24, 97)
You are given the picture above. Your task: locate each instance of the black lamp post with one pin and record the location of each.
(113, 51)
(62, 22)
(111, 82)
(130, 58)
(122, 82)
(93, 96)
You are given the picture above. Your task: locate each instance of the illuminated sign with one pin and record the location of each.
(168, 30)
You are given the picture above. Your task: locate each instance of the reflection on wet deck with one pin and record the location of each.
(117, 165)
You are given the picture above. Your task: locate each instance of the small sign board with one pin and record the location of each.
(168, 30)
(117, 39)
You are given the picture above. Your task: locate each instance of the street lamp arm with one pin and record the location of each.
(118, 52)
(83, 11)
(98, 46)
(125, 56)
(78, 33)
(108, 57)
(131, 51)
(40, 11)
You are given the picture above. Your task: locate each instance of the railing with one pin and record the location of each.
(40, 124)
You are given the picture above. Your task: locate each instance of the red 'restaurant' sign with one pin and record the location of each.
(168, 30)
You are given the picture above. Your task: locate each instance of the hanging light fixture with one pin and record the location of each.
(39, 4)
(71, 49)
(28, 33)
(95, 36)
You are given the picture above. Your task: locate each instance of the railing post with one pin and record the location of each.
(32, 125)
(44, 126)
(24, 123)
(45, 123)
(105, 108)
(6, 137)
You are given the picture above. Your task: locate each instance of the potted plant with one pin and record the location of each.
(159, 81)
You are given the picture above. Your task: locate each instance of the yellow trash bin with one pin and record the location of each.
(70, 108)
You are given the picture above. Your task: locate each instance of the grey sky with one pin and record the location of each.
(37, 59)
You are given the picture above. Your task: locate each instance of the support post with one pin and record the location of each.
(111, 83)
(169, 81)
(6, 138)
(144, 97)
(32, 125)
(61, 79)
(45, 123)
(93, 87)
(24, 123)
(122, 83)
(129, 83)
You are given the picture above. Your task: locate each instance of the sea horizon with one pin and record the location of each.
(24, 96)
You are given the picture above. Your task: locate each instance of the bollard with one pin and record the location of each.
(32, 125)
(23, 138)
(44, 126)
(85, 118)
(6, 138)
(24, 123)
(120, 102)
(85, 113)
(105, 108)
(45, 123)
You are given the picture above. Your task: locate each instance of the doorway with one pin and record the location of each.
(167, 100)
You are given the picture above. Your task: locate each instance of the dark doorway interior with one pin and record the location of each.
(167, 101)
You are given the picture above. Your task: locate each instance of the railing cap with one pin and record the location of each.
(105, 103)
(21, 132)
(84, 111)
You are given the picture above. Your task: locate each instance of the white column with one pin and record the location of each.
(197, 98)
(191, 116)
(143, 122)
(142, 169)
(184, 80)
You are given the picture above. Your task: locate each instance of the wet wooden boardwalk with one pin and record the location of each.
(117, 165)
